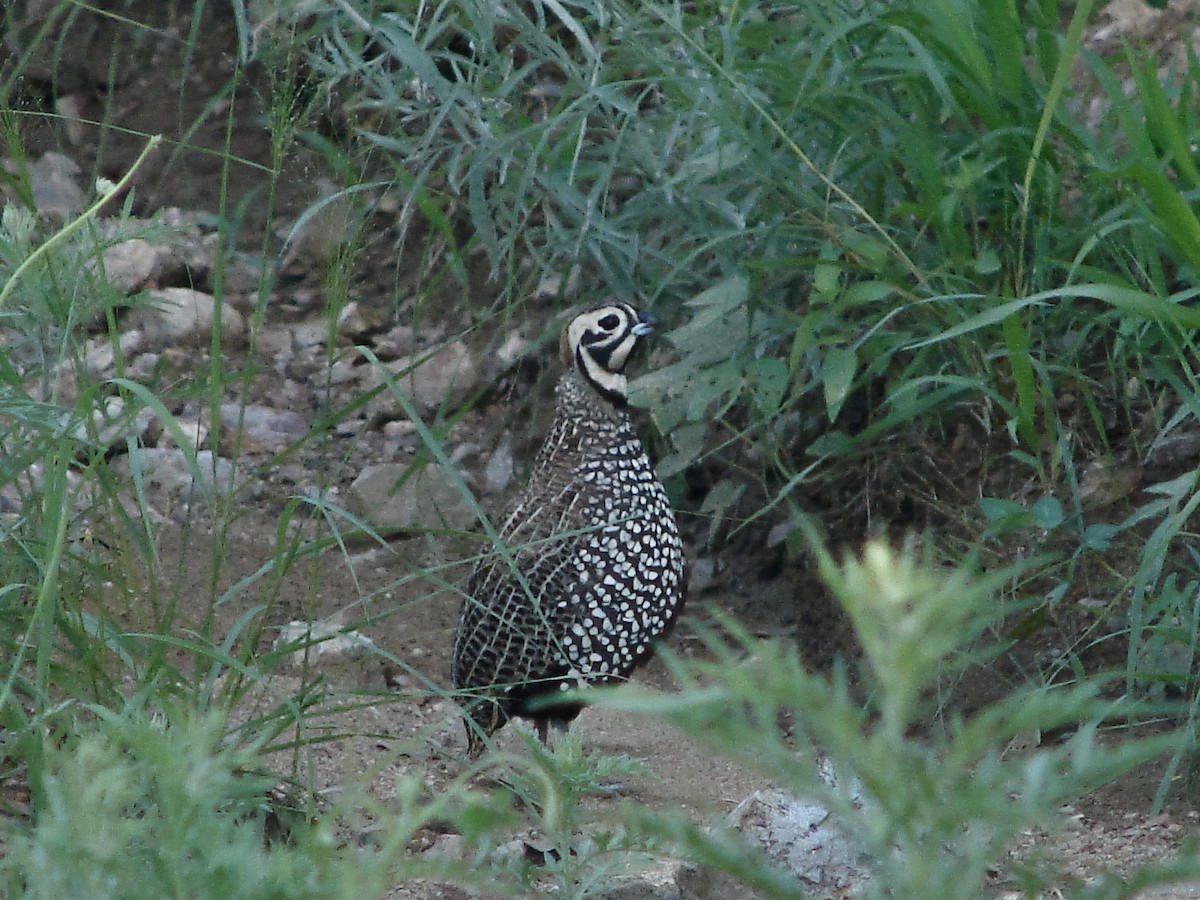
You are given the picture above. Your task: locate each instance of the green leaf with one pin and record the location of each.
(1048, 513)
(719, 500)
(1176, 219)
(831, 443)
(767, 380)
(1097, 537)
(987, 262)
(865, 292)
(714, 384)
(838, 370)
(722, 297)
(1163, 123)
(1016, 339)
(709, 339)
(873, 251)
(1166, 310)
(1005, 516)
(993, 315)
(828, 272)
(688, 441)
(708, 166)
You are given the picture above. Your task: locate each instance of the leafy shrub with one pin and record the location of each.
(143, 808)
(877, 223)
(932, 802)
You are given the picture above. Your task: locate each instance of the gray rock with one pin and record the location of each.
(463, 452)
(193, 247)
(351, 322)
(69, 107)
(130, 265)
(323, 232)
(112, 423)
(346, 370)
(264, 430)
(56, 193)
(185, 252)
(350, 427)
(399, 341)
(329, 645)
(512, 349)
(194, 432)
(426, 499)
(101, 358)
(309, 335)
(167, 470)
(173, 316)
(274, 339)
(702, 575)
(447, 375)
(142, 366)
(498, 472)
(24, 486)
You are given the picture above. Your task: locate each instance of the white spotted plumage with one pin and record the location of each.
(590, 572)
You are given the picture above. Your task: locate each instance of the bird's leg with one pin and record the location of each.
(474, 741)
(482, 719)
(550, 729)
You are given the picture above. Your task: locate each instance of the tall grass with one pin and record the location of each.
(871, 224)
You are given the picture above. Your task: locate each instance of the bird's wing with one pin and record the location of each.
(519, 599)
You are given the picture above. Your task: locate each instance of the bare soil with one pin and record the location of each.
(392, 734)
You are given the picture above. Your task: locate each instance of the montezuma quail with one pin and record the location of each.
(590, 568)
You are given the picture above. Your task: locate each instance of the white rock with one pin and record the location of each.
(399, 341)
(141, 367)
(450, 846)
(100, 358)
(780, 532)
(185, 250)
(349, 427)
(400, 429)
(328, 644)
(702, 574)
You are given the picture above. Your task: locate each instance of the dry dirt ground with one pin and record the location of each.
(1110, 830)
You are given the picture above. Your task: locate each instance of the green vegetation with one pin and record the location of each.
(938, 258)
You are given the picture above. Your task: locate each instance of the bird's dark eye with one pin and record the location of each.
(609, 322)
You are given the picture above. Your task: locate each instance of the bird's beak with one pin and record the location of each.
(646, 323)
